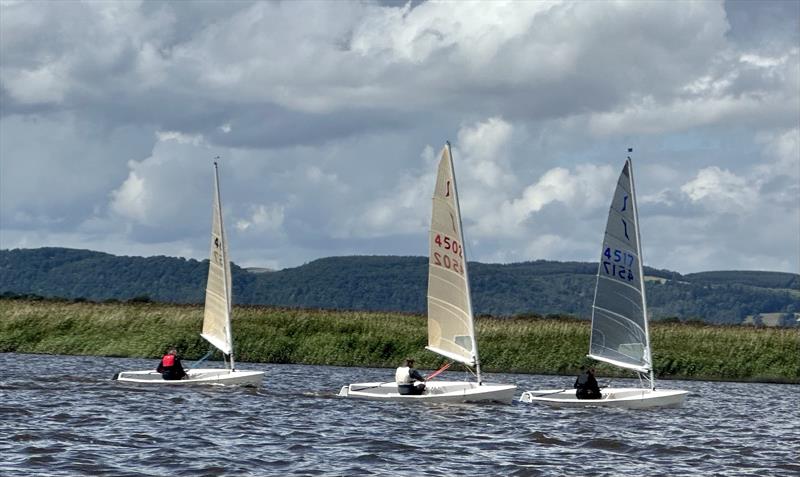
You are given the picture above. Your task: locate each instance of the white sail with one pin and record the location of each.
(619, 312)
(217, 313)
(450, 324)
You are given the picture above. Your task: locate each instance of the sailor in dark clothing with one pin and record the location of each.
(406, 378)
(586, 385)
(170, 366)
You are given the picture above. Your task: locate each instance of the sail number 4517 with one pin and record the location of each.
(618, 263)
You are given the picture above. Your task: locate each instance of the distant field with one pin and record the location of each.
(274, 335)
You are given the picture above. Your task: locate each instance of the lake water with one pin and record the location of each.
(63, 416)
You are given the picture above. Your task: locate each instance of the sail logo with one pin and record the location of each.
(216, 252)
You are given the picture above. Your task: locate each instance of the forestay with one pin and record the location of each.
(450, 323)
(216, 316)
(619, 312)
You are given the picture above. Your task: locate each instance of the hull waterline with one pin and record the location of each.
(211, 376)
(444, 391)
(628, 398)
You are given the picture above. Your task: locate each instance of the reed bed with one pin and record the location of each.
(344, 338)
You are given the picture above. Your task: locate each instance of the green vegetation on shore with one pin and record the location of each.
(277, 335)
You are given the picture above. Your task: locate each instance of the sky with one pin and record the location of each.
(329, 118)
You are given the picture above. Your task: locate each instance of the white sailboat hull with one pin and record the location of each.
(441, 391)
(209, 376)
(627, 398)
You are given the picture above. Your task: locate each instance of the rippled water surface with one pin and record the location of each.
(62, 415)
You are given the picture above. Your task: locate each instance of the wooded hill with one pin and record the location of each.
(390, 283)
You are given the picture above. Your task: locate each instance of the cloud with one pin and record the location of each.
(482, 146)
(586, 187)
(262, 218)
(720, 190)
(131, 199)
(352, 61)
(775, 182)
(329, 117)
(180, 137)
(165, 190)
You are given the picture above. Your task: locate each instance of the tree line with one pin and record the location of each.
(392, 283)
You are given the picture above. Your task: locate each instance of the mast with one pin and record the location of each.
(641, 270)
(466, 274)
(225, 265)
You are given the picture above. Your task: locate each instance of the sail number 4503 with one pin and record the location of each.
(618, 263)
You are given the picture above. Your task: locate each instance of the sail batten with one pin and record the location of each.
(620, 364)
(217, 311)
(453, 356)
(624, 284)
(619, 318)
(450, 322)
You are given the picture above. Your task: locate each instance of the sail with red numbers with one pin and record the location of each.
(451, 331)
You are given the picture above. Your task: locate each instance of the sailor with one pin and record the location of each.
(170, 366)
(586, 385)
(406, 377)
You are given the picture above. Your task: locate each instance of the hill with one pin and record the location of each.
(390, 283)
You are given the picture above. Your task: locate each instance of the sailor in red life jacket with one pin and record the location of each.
(170, 366)
(405, 377)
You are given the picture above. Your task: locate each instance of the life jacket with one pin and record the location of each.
(403, 375)
(168, 360)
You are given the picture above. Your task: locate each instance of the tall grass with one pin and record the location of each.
(276, 335)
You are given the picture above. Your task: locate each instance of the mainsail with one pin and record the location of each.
(217, 313)
(619, 311)
(450, 325)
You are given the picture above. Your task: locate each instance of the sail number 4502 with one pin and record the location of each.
(618, 263)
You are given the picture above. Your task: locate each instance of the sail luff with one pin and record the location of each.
(635, 203)
(466, 268)
(594, 300)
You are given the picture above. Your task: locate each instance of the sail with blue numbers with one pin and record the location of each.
(619, 312)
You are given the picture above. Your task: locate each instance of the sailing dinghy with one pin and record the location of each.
(619, 314)
(216, 318)
(451, 327)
